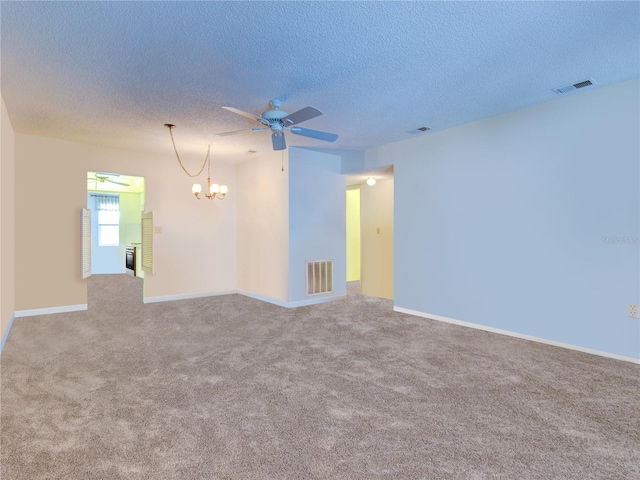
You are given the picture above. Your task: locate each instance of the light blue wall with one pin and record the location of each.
(354, 162)
(317, 218)
(504, 222)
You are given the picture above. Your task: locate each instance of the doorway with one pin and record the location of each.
(370, 231)
(353, 233)
(116, 202)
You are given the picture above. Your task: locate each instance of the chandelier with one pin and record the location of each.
(213, 189)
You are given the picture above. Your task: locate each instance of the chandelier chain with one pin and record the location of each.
(213, 189)
(180, 161)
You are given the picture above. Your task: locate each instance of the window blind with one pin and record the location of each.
(109, 203)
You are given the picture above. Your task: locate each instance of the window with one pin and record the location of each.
(108, 207)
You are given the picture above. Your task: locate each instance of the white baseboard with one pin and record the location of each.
(299, 303)
(263, 298)
(6, 333)
(187, 296)
(516, 335)
(49, 310)
(315, 301)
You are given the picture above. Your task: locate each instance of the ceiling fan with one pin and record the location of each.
(278, 121)
(106, 177)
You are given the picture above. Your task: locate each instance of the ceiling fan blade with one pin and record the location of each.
(233, 132)
(246, 114)
(307, 132)
(116, 182)
(278, 141)
(300, 116)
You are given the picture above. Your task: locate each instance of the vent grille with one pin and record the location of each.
(572, 87)
(319, 277)
(586, 83)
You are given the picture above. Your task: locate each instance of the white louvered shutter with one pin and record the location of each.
(85, 223)
(147, 242)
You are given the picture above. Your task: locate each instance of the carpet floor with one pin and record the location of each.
(233, 388)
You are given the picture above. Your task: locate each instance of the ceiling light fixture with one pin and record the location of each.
(213, 189)
(371, 181)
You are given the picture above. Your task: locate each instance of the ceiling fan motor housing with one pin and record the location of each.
(274, 115)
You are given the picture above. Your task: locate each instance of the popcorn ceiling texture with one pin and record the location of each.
(229, 387)
(114, 72)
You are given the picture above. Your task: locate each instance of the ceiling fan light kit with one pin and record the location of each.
(278, 121)
(213, 189)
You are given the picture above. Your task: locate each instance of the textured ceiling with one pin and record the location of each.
(113, 73)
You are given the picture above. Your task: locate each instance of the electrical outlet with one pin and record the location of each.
(157, 230)
(632, 310)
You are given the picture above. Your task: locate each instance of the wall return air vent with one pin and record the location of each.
(572, 87)
(319, 277)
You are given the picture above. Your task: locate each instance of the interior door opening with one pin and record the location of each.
(116, 202)
(370, 215)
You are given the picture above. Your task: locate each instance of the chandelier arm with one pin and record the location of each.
(171, 127)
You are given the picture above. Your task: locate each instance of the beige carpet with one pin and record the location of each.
(233, 388)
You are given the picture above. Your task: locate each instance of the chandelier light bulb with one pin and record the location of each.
(214, 189)
(224, 189)
(371, 181)
(196, 189)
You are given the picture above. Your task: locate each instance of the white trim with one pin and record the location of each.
(49, 310)
(316, 300)
(299, 303)
(186, 296)
(6, 333)
(262, 298)
(516, 335)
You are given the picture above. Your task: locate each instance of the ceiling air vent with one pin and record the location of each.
(574, 86)
(419, 130)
